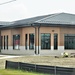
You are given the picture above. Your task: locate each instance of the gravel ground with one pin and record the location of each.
(42, 60)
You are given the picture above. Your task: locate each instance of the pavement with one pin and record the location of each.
(8, 56)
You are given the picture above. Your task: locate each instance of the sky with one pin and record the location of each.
(22, 9)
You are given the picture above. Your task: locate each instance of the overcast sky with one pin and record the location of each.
(21, 9)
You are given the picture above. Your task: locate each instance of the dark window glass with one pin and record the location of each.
(6, 42)
(45, 41)
(55, 41)
(26, 41)
(31, 41)
(1, 42)
(69, 41)
(16, 41)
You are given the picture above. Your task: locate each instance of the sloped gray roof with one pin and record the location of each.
(29, 20)
(61, 18)
(58, 18)
(5, 23)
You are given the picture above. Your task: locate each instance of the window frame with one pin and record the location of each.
(16, 46)
(26, 41)
(55, 41)
(45, 39)
(1, 42)
(69, 39)
(5, 42)
(32, 41)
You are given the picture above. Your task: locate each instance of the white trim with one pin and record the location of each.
(61, 48)
(22, 48)
(37, 50)
(32, 52)
(39, 47)
(27, 47)
(52, 47)
(10, 47)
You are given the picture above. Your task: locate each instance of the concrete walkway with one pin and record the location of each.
(7, 56)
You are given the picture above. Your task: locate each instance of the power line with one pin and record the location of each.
(7, 2)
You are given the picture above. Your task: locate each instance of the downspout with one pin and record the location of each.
(33, 25)
(37, 52)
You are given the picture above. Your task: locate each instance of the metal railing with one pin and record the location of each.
(54, 70)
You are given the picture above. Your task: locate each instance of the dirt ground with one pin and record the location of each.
(42, 60)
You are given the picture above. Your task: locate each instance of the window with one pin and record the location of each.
(26, 41)
(16, 41)
(6, 42)
(69, 41)
(55, 41)
(31, 41)
(1, 42)
(45, 41)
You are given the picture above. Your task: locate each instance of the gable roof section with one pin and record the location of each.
(5, 23)
(61, 18)
(29, 20)
(25, 22)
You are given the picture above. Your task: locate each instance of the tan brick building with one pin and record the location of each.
(43, 35)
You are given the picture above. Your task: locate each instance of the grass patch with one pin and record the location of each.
(18, 72)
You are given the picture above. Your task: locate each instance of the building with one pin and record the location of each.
(43, 35)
